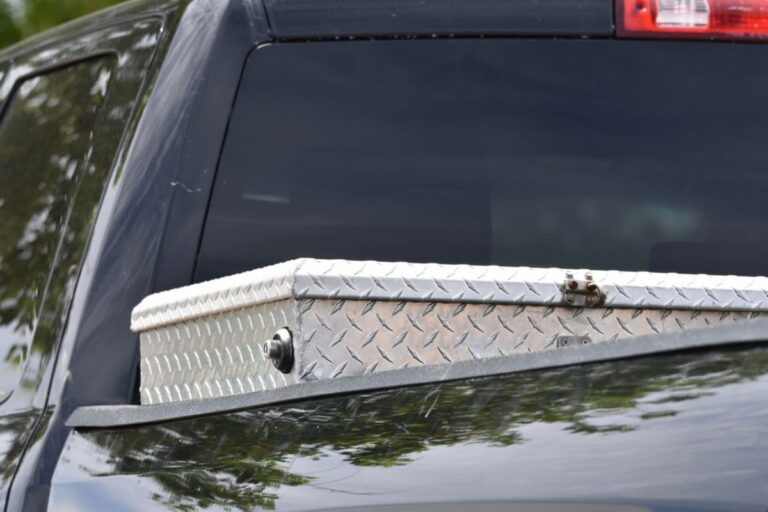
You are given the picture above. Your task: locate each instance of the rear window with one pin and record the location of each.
(599, 154)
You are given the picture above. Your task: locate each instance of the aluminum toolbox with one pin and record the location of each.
(345, 318)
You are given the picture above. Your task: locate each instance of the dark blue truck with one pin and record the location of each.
(165, 143)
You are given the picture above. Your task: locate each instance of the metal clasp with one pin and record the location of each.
(582, 292)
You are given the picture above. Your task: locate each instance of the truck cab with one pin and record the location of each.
(161, 145)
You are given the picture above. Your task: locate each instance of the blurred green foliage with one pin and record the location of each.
(22, 18)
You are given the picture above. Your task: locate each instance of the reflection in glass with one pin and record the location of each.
(12, 428)
(521, 430)
(46, 142)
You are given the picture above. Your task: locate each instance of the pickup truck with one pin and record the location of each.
(164, 145)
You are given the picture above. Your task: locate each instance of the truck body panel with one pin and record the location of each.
(207, 92)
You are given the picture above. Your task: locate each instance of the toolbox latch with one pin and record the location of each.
(582, 292)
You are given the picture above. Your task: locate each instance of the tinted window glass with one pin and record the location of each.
(598, 154)
(45, 148)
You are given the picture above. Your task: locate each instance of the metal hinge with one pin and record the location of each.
(582, 292)
(571, 341)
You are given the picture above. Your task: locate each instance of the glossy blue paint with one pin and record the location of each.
(146, 234)
(680, 432)
(108, 61)
(496, 444)
(293, 19)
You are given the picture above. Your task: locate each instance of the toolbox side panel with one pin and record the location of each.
(221, 355)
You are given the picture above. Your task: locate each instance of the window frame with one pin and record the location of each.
(133, 40)
(55, 260)
(116, 40)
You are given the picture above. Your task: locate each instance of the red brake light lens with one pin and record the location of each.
(693, 19)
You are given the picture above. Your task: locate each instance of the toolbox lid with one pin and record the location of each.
(361, 280)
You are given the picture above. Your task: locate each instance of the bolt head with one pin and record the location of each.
(272, 349)
(279, 350)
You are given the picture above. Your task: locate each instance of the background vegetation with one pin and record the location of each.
(22, 18)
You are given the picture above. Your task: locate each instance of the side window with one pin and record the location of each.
(46, 143)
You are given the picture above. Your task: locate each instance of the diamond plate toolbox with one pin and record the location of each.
(347, 318)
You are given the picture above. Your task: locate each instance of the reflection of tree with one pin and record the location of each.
(13, 430)
(240, 460)
(45, 146)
